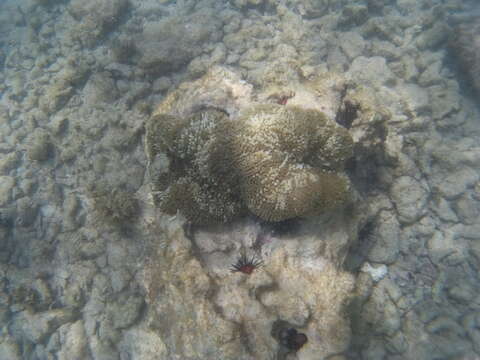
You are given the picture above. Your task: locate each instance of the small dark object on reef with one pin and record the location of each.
(292, 339)
(246, 265)
(288, 336)
(283, 100)
(282, 97)
(347, 114)
(6, 219)
(123, 50)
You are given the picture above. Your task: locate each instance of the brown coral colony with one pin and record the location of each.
(275, 161)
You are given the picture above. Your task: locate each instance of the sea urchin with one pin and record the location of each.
(245, 264)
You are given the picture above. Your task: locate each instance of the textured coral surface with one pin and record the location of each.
(278, 161)
(198, 180)
(287, 160)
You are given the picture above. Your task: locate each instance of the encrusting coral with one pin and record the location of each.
(278, 161)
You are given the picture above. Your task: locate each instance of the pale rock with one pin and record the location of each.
(375, 350)
(9, 349)
(74, 342)
(61, 88)
(7, 184)
(313, 8)
(426, 226)
(467, 209)
(58, 125)
(462, 293)
(120, 278)
(9, 162)
(431, 76)
(352, 44)
(471, 323)
(444, 99)
(455, 184)
(443, 245)
(372, 71)
(353, 14)
(470, 232)
(27, 211)
(442, 209)
(292, 309)
(410, 198)
(315, 284)
(386, 239)
(162, 84)
(39, 145)
(100, 350)
(377, 273)
(125, 311)
(384, 49)
(36, 327)
(381, 311)
(116, 253)
(171, 42)
(145, 344)
(219, 87)
(416, 100)
(100, 88)
(397, 344)
(408, 6)
(336, 60)
(410, 69)
(433, 37)
(427, 58)
(444, 323)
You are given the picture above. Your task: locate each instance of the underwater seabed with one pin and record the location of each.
(243, 179)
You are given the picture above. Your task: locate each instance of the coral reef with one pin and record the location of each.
(77, 78)
(278, 161)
